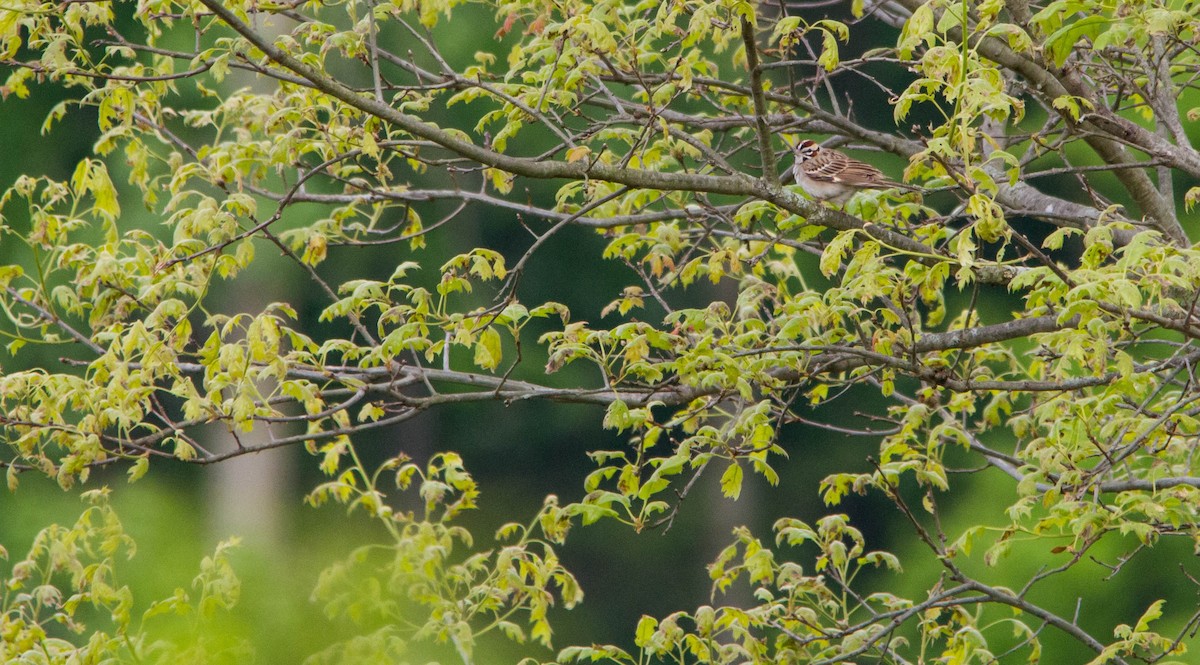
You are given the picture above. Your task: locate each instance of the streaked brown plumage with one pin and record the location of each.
(828, 175)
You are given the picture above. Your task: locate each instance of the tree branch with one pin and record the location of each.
(762, 131)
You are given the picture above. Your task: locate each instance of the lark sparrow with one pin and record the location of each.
(828, 175)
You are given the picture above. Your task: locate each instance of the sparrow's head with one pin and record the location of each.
(806, 150)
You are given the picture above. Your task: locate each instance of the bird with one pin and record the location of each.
(828, 175)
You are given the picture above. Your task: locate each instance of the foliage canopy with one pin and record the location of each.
(1031, 318)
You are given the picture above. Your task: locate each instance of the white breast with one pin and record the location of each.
(822, 190)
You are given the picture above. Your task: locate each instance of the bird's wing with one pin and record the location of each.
(859, 174)
(834, 167)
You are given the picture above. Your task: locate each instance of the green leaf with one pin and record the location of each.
(645, 631)
(831, 258)
(1061, 42)
(1191, 198)
(488, 352)
(139, 468)
(731, 481)
(1153, 612)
